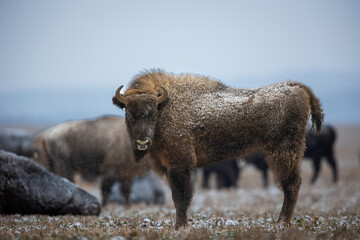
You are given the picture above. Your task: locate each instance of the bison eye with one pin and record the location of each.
(129, 117)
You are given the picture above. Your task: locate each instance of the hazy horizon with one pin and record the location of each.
(63, 60)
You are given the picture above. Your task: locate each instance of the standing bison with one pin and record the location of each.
(16, 140)
(188, 121)
(148, 189)
(28, 188)
(92, 148)
(319, 146)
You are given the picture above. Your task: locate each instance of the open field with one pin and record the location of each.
(324, 210)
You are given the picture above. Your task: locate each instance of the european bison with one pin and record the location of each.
(257, 158)
(92, 148)
(16, 141)
(318, 146)
(147, 188)
(28, 188)
(187, 121)
(227, 173)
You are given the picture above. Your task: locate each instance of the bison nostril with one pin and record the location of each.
(143, 145)
(142, 142)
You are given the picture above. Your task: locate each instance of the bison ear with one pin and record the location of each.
(118, 103)
(162, 98)
(163, 104)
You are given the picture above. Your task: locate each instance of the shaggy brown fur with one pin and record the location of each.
(204, 121)
(92, 148)
(318, 146)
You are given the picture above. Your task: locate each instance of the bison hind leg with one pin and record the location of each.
(286, 169)
(291, 187)
(332, 162)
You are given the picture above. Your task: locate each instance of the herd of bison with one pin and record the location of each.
(22, 177)
(175, 126)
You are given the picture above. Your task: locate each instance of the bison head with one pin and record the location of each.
(140, 117)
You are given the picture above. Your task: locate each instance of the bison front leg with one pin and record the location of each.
(106, 184)
(126, 184)
(181, 188)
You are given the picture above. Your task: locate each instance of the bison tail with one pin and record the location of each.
(317, 113)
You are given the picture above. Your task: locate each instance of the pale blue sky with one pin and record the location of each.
(49, 46)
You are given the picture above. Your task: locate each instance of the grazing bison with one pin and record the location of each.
(257, 158)
(147, 188)
(92, 148)
(225, 169)
(16, 140)
(187, 121)
(28, 188)
(227, 173)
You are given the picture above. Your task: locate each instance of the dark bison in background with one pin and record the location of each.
(28, 188)
(187, 121)
(318, 146)
(92, 148)
(148, 189)
(16, 140)
(227, 173)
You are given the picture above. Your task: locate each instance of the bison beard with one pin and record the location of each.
(193, 121)
(139, 154)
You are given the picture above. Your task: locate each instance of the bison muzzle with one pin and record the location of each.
(141, 117)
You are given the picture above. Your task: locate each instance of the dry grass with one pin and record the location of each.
(324, 211)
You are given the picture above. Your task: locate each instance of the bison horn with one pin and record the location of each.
(120, 97)
(163, 97)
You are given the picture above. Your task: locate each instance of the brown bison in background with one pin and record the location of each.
(28, 188)
(188, 121)
(92, 148)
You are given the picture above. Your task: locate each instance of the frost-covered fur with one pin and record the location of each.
(28, 188)
(204, 121)
(92, 148)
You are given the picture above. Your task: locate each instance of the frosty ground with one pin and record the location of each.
(324, 210)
